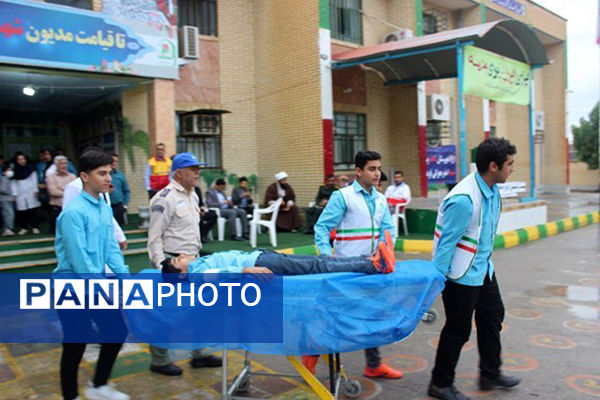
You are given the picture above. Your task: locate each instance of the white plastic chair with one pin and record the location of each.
(221, 224)
(256, 222)
(400, 214)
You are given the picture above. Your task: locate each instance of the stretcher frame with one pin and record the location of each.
(338, 380)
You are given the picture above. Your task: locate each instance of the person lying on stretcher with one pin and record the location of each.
(268, 262)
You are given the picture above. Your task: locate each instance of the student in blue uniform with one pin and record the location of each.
(462, 249)
(361, 217)
(84, 245)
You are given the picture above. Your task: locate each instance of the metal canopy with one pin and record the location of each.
(435, 56)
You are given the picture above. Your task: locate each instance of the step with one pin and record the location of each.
(49, 249)
(50, 261)
(47, 238)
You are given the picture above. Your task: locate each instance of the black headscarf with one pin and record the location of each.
(22, 171)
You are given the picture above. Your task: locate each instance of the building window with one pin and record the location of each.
(200, 13)
(436, 131)
(434, 21)
(200, 133)
(348, 138)
(346, 20)
(84, 4)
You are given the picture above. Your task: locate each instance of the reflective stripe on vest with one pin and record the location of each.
(358, 231)
(357, 234)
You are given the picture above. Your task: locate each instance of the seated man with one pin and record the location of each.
(399, 190)
(241, 196)
(259, 261)
(216, 198)
(323, 195)
(288, 219)
(208, 218)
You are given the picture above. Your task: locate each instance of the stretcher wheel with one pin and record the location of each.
(351, 389)
(430, 316)
(244, 385)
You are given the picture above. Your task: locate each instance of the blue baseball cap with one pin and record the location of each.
(183, 160)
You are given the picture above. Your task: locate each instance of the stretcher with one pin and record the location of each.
(339, 383)
(332, 314)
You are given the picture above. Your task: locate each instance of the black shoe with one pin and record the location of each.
(169, 369)
(246, 236)
(208, 361)
(445, 393)
(501, 381)
(205, 240)
(236, 238)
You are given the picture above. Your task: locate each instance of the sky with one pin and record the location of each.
(583, 54)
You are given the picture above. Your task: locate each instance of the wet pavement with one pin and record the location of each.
(575, 203)
(551, 340)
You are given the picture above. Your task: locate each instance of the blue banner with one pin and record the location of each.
(441, 164)
(195, 308)
(32, 33)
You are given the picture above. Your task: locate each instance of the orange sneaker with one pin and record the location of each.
(378, 261)
(384, 261)
(310, 362)
(383, 371)
(388, 257)
(389, 241)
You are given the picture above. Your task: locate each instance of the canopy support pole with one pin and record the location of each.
(531, 135)
(462, 122)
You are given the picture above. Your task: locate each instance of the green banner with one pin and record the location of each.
(495, 77)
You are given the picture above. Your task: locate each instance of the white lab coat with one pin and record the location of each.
(25, 190)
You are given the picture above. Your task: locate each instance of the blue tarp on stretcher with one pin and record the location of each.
(341, 312)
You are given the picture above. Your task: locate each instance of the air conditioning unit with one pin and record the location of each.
(395, 36)
(188, 42)
(539, 120)
(200, 124)
(438, 107)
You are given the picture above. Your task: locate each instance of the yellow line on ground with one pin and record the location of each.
(12, 362)
(286, 251)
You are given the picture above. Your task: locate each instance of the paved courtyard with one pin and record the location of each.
(551, 340)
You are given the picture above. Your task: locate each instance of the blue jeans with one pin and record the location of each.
(8, 214)
(292, 264)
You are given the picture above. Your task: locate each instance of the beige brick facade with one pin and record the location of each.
(237, 46)
(263, 70)
(135, 109)
(268, 79)
(288, 103)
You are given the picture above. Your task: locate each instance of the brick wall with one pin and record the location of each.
(288, 99)
(237, 46)
(134, 104)
(554, 87)
(161, 115)
(404, 136)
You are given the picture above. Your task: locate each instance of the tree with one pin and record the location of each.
(586, 139)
